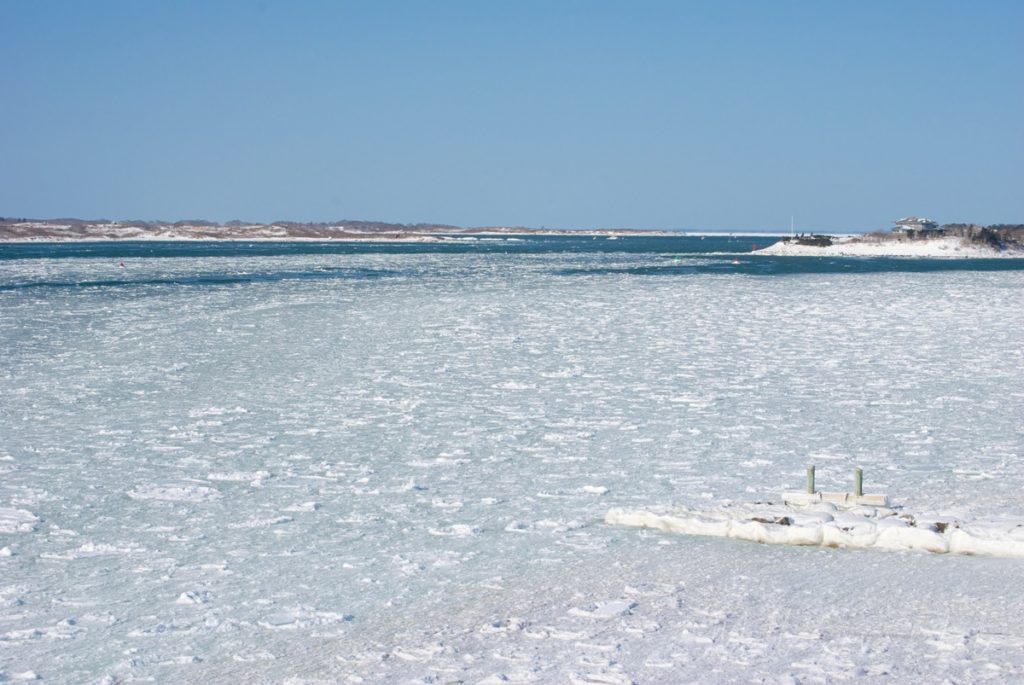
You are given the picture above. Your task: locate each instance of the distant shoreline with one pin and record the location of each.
(79, 231)
(422, 238)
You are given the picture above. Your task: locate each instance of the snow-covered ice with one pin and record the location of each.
(402, 473)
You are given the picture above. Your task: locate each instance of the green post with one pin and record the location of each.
(858, 481)
(810, 479)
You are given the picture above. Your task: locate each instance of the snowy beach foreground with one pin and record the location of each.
(947, 247)
(395, 466)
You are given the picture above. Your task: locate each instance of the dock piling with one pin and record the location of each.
(842, 499)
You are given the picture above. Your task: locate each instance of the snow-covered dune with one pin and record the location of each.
(859, 246)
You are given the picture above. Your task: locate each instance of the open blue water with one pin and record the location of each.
(644, 256)
(456, 245)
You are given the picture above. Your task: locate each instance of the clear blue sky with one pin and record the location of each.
(713, 115)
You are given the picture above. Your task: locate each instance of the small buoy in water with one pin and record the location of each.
(736, 261)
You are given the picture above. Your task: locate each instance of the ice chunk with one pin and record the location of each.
(303, 507)
(175, 493)
(604, 610)
(193, 597)
(17, 520)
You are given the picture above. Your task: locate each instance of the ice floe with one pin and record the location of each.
(175, 493)
(17, 520)
(254, 478)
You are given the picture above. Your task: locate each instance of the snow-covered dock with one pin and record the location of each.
(828, 525)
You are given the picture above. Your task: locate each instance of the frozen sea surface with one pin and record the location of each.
(394, 466)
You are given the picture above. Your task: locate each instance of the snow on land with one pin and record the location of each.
(824, 524)
(858, 246)
(405, 479)
(51, 232)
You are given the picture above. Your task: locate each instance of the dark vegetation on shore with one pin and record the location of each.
(814, 239)
(997, 236)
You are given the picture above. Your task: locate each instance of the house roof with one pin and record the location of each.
(914, 221)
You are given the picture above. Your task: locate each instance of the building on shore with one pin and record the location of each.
(914, 224)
